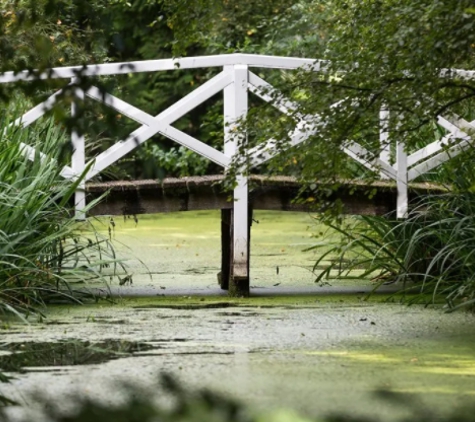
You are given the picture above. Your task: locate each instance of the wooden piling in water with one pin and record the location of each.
(237, 286)
(226, 248)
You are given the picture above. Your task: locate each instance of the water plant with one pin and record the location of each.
(433, 249)
(44, 251)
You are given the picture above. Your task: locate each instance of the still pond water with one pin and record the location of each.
(312, 353)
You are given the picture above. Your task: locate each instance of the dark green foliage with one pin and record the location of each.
(42, 247)
(433, 248)
(382, 53)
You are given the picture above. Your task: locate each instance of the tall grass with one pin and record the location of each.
(433, 249)
(43, 250)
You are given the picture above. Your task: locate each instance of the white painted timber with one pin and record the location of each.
(437, 160)
(148, 120)
(457, 73)
(78, 160)
(235, 110)
(276, 62)
(229, 115)
(455, 125)
(437, 153)
(385, 152)
(236, 80)
(161, 124)
(69, 72)
(32, 116)
(367, 159)
(306, 127)
(38, 111)
(401, 181)
(251, 60)
(240, 229)
(268, 93)
(269, 149)
(429, 150)
(195, 145)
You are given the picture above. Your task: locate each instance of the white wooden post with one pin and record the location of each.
(235, 109)
(385, 152)
(401, 167)
(78, 159)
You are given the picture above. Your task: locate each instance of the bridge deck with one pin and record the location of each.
(265, 193)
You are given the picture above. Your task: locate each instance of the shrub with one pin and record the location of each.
(434, 248)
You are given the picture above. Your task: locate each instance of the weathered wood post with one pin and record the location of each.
(385, 151)
(401, 163)
(401, 167)
(226, 247)
(78, 158)
(235, 109)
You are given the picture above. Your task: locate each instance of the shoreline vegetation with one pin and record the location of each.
(44, 252)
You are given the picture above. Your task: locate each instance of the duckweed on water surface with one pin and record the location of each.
(304, 353)
(183, 249)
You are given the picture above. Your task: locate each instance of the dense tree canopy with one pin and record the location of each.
(382, 54)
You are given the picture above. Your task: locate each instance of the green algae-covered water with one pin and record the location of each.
(310, 354)
(183, 249)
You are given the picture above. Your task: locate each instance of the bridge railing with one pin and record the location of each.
(236, 80)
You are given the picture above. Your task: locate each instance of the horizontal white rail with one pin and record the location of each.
(251, 60)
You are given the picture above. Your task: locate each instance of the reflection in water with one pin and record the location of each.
(18, 356)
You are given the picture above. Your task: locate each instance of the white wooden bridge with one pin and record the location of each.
(237, 80)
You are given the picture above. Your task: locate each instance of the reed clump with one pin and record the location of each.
(44, 251)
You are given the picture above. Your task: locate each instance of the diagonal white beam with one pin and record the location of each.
(121, 106)
(367, 159)
(161, 124)
(437, 160)
(455, 135)
(269, 149)
(195, 145)
(148, 120)
(306, 128)
(38, 111)
(271, 95)
(31, 153)
(32, 116)
(429, 150)
(434, 147)
(455, 126)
